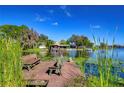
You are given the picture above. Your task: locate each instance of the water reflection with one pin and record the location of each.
(78, 53)
(92, 69)
(117, 56)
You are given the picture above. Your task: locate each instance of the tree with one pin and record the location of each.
(28, 37)
(103, 45)
(63, 42)
(43, 39)
(49, 43)
(80, 41)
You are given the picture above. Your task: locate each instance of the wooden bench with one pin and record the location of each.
(36, 83)
(55, 69)
(30, 61)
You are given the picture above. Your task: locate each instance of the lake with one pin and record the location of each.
(117, 54)
(91, 68)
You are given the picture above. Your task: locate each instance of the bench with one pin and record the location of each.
(30, 61)
(55, 69)
(31, 65)
(36, 83)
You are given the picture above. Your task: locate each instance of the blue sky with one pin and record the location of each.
(60, 22)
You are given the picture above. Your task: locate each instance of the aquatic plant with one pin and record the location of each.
(104, 63)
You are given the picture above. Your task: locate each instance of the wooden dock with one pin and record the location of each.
(69, 71)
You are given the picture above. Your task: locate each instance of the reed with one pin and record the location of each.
(10, 63)
(104, 62)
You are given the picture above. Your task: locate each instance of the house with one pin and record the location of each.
(73, 45)
(42, 46)
(58, 49)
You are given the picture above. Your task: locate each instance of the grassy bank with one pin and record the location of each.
(41, 53)
(80, 61)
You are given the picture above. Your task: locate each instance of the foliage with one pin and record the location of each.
(80, 61)
(103, 45)
(43, 54)
(80, 41)
(31, 51)
(47, 57)
(10, 63)
(29, 38)
(49, 43)
(105, 78)
(43, 39)
(63, 42)
(104, 63)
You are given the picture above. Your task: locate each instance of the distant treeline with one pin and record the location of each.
(116, 46)
(29, 38)
(103, 46)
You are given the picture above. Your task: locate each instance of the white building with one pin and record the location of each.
(42, 46)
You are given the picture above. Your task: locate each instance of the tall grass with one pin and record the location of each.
(104, 62)
(10, 63)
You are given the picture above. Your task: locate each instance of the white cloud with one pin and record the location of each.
(64, 8)
(39, 18)
(51, 11)
(68, 14)
(95, 26)
(55, 23)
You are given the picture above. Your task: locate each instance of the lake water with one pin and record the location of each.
(117, 54)
(90, 68)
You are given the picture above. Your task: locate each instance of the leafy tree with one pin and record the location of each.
(103, 45)
(63, 42)
(27, 37)
(49, 43)
(43, 39)
(80, 41)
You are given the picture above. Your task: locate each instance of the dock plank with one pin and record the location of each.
(69, 71)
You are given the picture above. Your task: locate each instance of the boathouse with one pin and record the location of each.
(58, 49)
